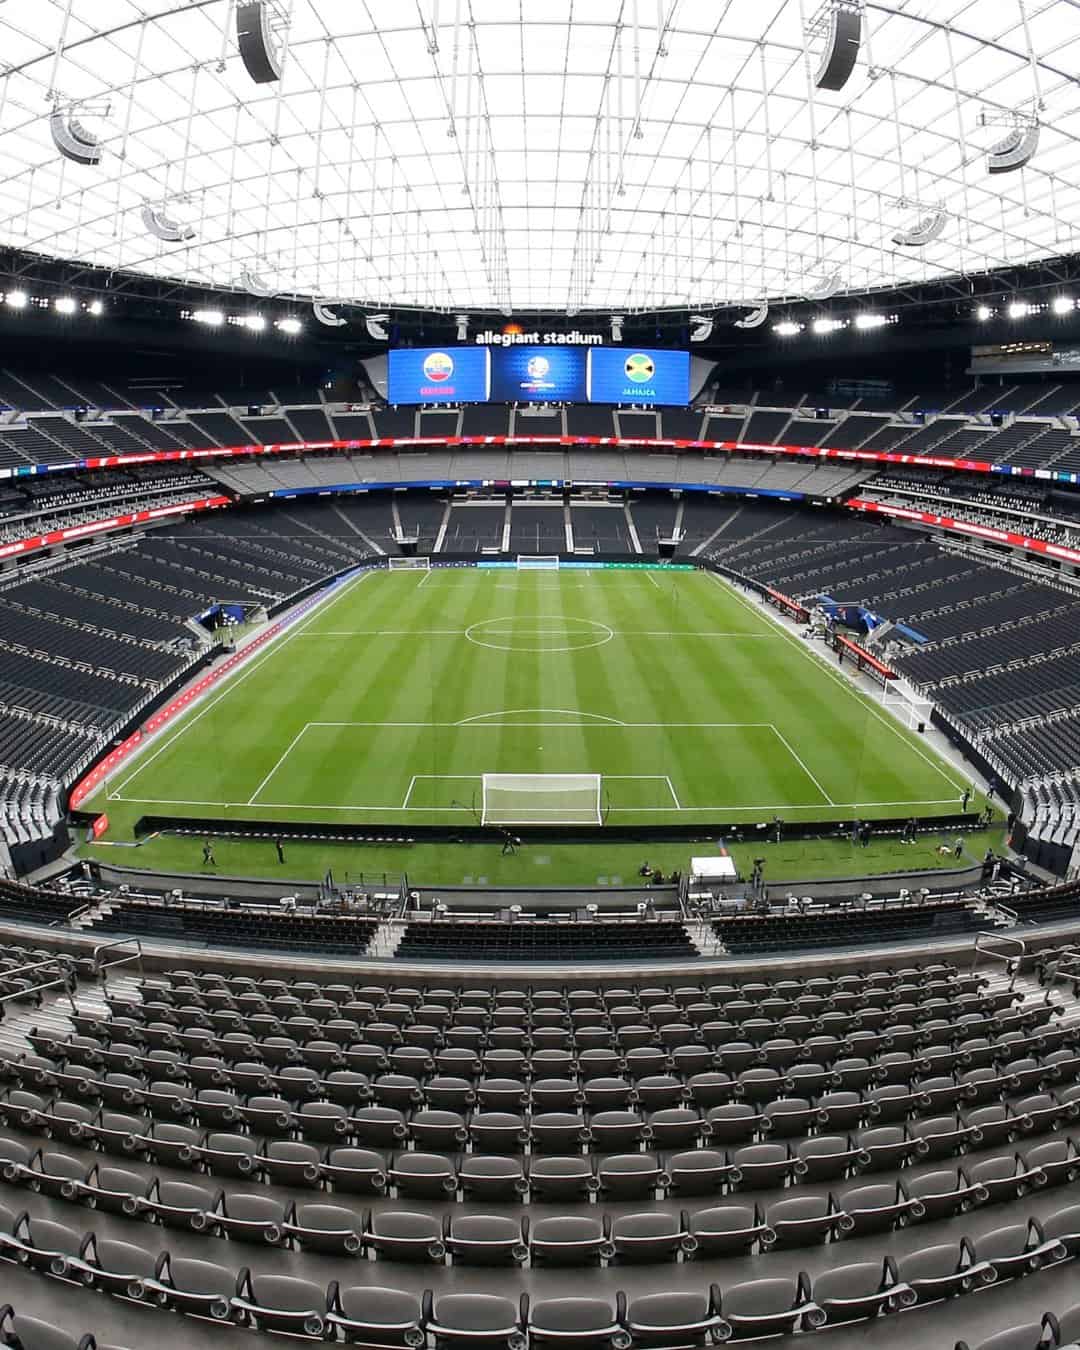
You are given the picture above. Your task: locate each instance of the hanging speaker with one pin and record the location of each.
(257, 50)
(755, 318)
(1015, 150)
(925, 232)
(841, 50)
(73, 140)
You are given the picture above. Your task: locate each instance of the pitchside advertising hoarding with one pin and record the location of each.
(539, 374)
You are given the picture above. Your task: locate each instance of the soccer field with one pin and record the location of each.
(391, 699)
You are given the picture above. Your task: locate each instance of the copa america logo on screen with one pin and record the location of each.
(438, 367)
(538, 367)
(640, 368)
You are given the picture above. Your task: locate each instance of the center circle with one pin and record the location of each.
(539, 634)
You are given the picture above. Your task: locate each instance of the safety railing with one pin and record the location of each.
(102, 968)
(1012, 963)
(65, 982)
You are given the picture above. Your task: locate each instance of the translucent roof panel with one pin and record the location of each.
(621, 155)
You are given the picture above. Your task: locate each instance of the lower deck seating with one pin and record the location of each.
(531, 940)
(746, 934)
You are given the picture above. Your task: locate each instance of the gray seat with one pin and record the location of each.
(485, 1320)
(569, 1240)
(485, 1240)
(769, 1307)
(402, 1235)
(577, 1322)
(681, 1317)
(371, 1314)
(200, 1288)
(858, 1291)
(280, 1303)
(491, 1177)
(119, 1268)
(801, 1221)
(942, 1271)
(252, 1218)
(31, 1333)
(357, 1170)
(325, 1228)
(655, 1236)
(427, 1175)
(726, 1230)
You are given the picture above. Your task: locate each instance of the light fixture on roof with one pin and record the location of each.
(256, 21)
(254, 285)
(866, 323)
(701, 331)
(96, 308)
(826, 289)
(1063, 304)
(924, 232)
(18, 299)
(787, 328)
(212, 318)
(290, 326)
(984, 313)
(462, 321)
(1018, 146)
(163, 226)
(376, 327)
(64, 304)
(823, 327)
(1019, 309)
(255, 323)
(616, 327)
(326, 315)
(73, 140)
(755, 318)
(842, 23)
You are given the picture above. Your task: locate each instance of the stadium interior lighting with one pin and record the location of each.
(290, 326)
(18, 299)
(984, 313)
(1019, 309)
(255, 323)
(823, 327)
(96, 308)
(462, 321)
(1063, 304)
(866, 322)
(616, 327)
(65, 305)
(213, 318)
(787, 328)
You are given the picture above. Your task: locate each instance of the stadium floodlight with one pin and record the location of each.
(541, 799)
(925, 232)
(165, 227)
(755, 318)
(787, 328)
(702, 328)
(866, 323)
(213, 318)
(290, 326)
(18, 299)
(984, 313)
(255, 38)
(64, 304)
(326, 315)
(1019, 309)
(844, 19)
(1063, 304)
(617, 321)
(73, 140)
(823, 327)
(254, 323)
(376, 327)
(96, 308)
(462, 321)
(1016, 150)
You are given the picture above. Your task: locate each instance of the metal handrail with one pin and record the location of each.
(37, 965)
(100, 967)
(981, 949)
(66, 982)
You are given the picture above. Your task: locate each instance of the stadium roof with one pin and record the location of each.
(626, 155)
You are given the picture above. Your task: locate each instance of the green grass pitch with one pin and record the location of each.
(390, 700)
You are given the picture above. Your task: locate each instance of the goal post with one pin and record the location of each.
(537, 562)
(541, 799)
(396, 564)
(908, 706)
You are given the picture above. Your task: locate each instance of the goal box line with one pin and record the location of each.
(541, 799)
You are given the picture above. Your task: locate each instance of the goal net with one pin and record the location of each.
(409, 564)
(537, 562)
(541, 799)
(905, 704)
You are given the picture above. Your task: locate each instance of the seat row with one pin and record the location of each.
(374, 1315)
(568, 1239)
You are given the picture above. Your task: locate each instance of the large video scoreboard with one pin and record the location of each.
(539, 374)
